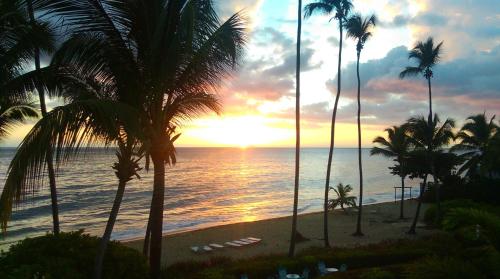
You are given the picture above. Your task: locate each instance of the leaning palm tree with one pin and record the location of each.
(430, 139)
(427, 56)
(291, 251)
(342, 8)
(476, 137)
(43, 108)
(169, 57)
(343, 198)
(396, 146)
(359, 29)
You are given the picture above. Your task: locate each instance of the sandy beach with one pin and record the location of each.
(380, 223)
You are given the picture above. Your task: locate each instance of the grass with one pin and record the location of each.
(372, 261)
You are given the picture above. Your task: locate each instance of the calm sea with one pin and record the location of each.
(207, 187)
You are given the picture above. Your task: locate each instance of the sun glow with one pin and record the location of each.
(241, 131)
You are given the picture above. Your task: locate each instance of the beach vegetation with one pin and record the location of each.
(70, 255)
(343, 197)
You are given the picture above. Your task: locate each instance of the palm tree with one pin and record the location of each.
(359, 29)
(291, 251)
(427, 56)
(429, 139)
(396, 146)
(343, 198)
(342, 8)
(14, 112)
(169, 57)
(43, 108)
(476, 137)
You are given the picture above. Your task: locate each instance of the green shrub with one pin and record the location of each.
(69, 255)
(442, 268)
(466, 221)
(484, 258)
(377, 273)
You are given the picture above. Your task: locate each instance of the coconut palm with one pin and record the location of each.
(396, 146)
(291, 251)
(343, 197)
(476, 137)
(359, 29)
(429, 139)
(169, 57)
(427, 56)
(342, 8)
(43, 108)
(13, 113)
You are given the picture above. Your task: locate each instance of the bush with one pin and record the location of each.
(377, 273)
(472, 224)
(442, 268)
(430, 215)
(69, 255)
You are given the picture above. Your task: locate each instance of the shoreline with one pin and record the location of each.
(174, 233)
(380, 223)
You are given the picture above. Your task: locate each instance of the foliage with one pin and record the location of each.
(377, 273)
(477, 138)
(471, 224)
(343, 198)
(442, 268)
(69, 255)
(426, 55)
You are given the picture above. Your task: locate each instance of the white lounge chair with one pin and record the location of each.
(216, 246)
(232, 244)
(207, 249)
(195, 249)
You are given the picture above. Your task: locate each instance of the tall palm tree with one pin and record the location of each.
(427, 56)
(342, 8)
(169, 56)
(396, 146)
(476, 137)
(430, 139)
(43, 108)
(291, 251)
(359, 29)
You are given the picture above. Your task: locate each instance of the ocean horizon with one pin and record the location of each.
(209, 186)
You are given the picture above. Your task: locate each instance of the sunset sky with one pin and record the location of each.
(259, 100)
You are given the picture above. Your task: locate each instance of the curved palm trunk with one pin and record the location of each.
(332, 140)
(49, 159)
(157, 205)
(401, 213)
(430, 100)
(109, 229)
(291, 251)
(360, 163)
(417, 213)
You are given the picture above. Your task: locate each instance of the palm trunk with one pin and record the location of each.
(109, 229)
(401, 213)
(145, 246)
(430, 100)
(417, 213)
(332, 140)
(438, 196)
(49, 159)
(360, 163)
(291, 251)
(157, 216)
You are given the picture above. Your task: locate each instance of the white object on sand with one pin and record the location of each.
(195, 249)
(207, 248)
(215, 245)
(232, 244)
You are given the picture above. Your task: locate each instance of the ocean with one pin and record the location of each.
(207, 187)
